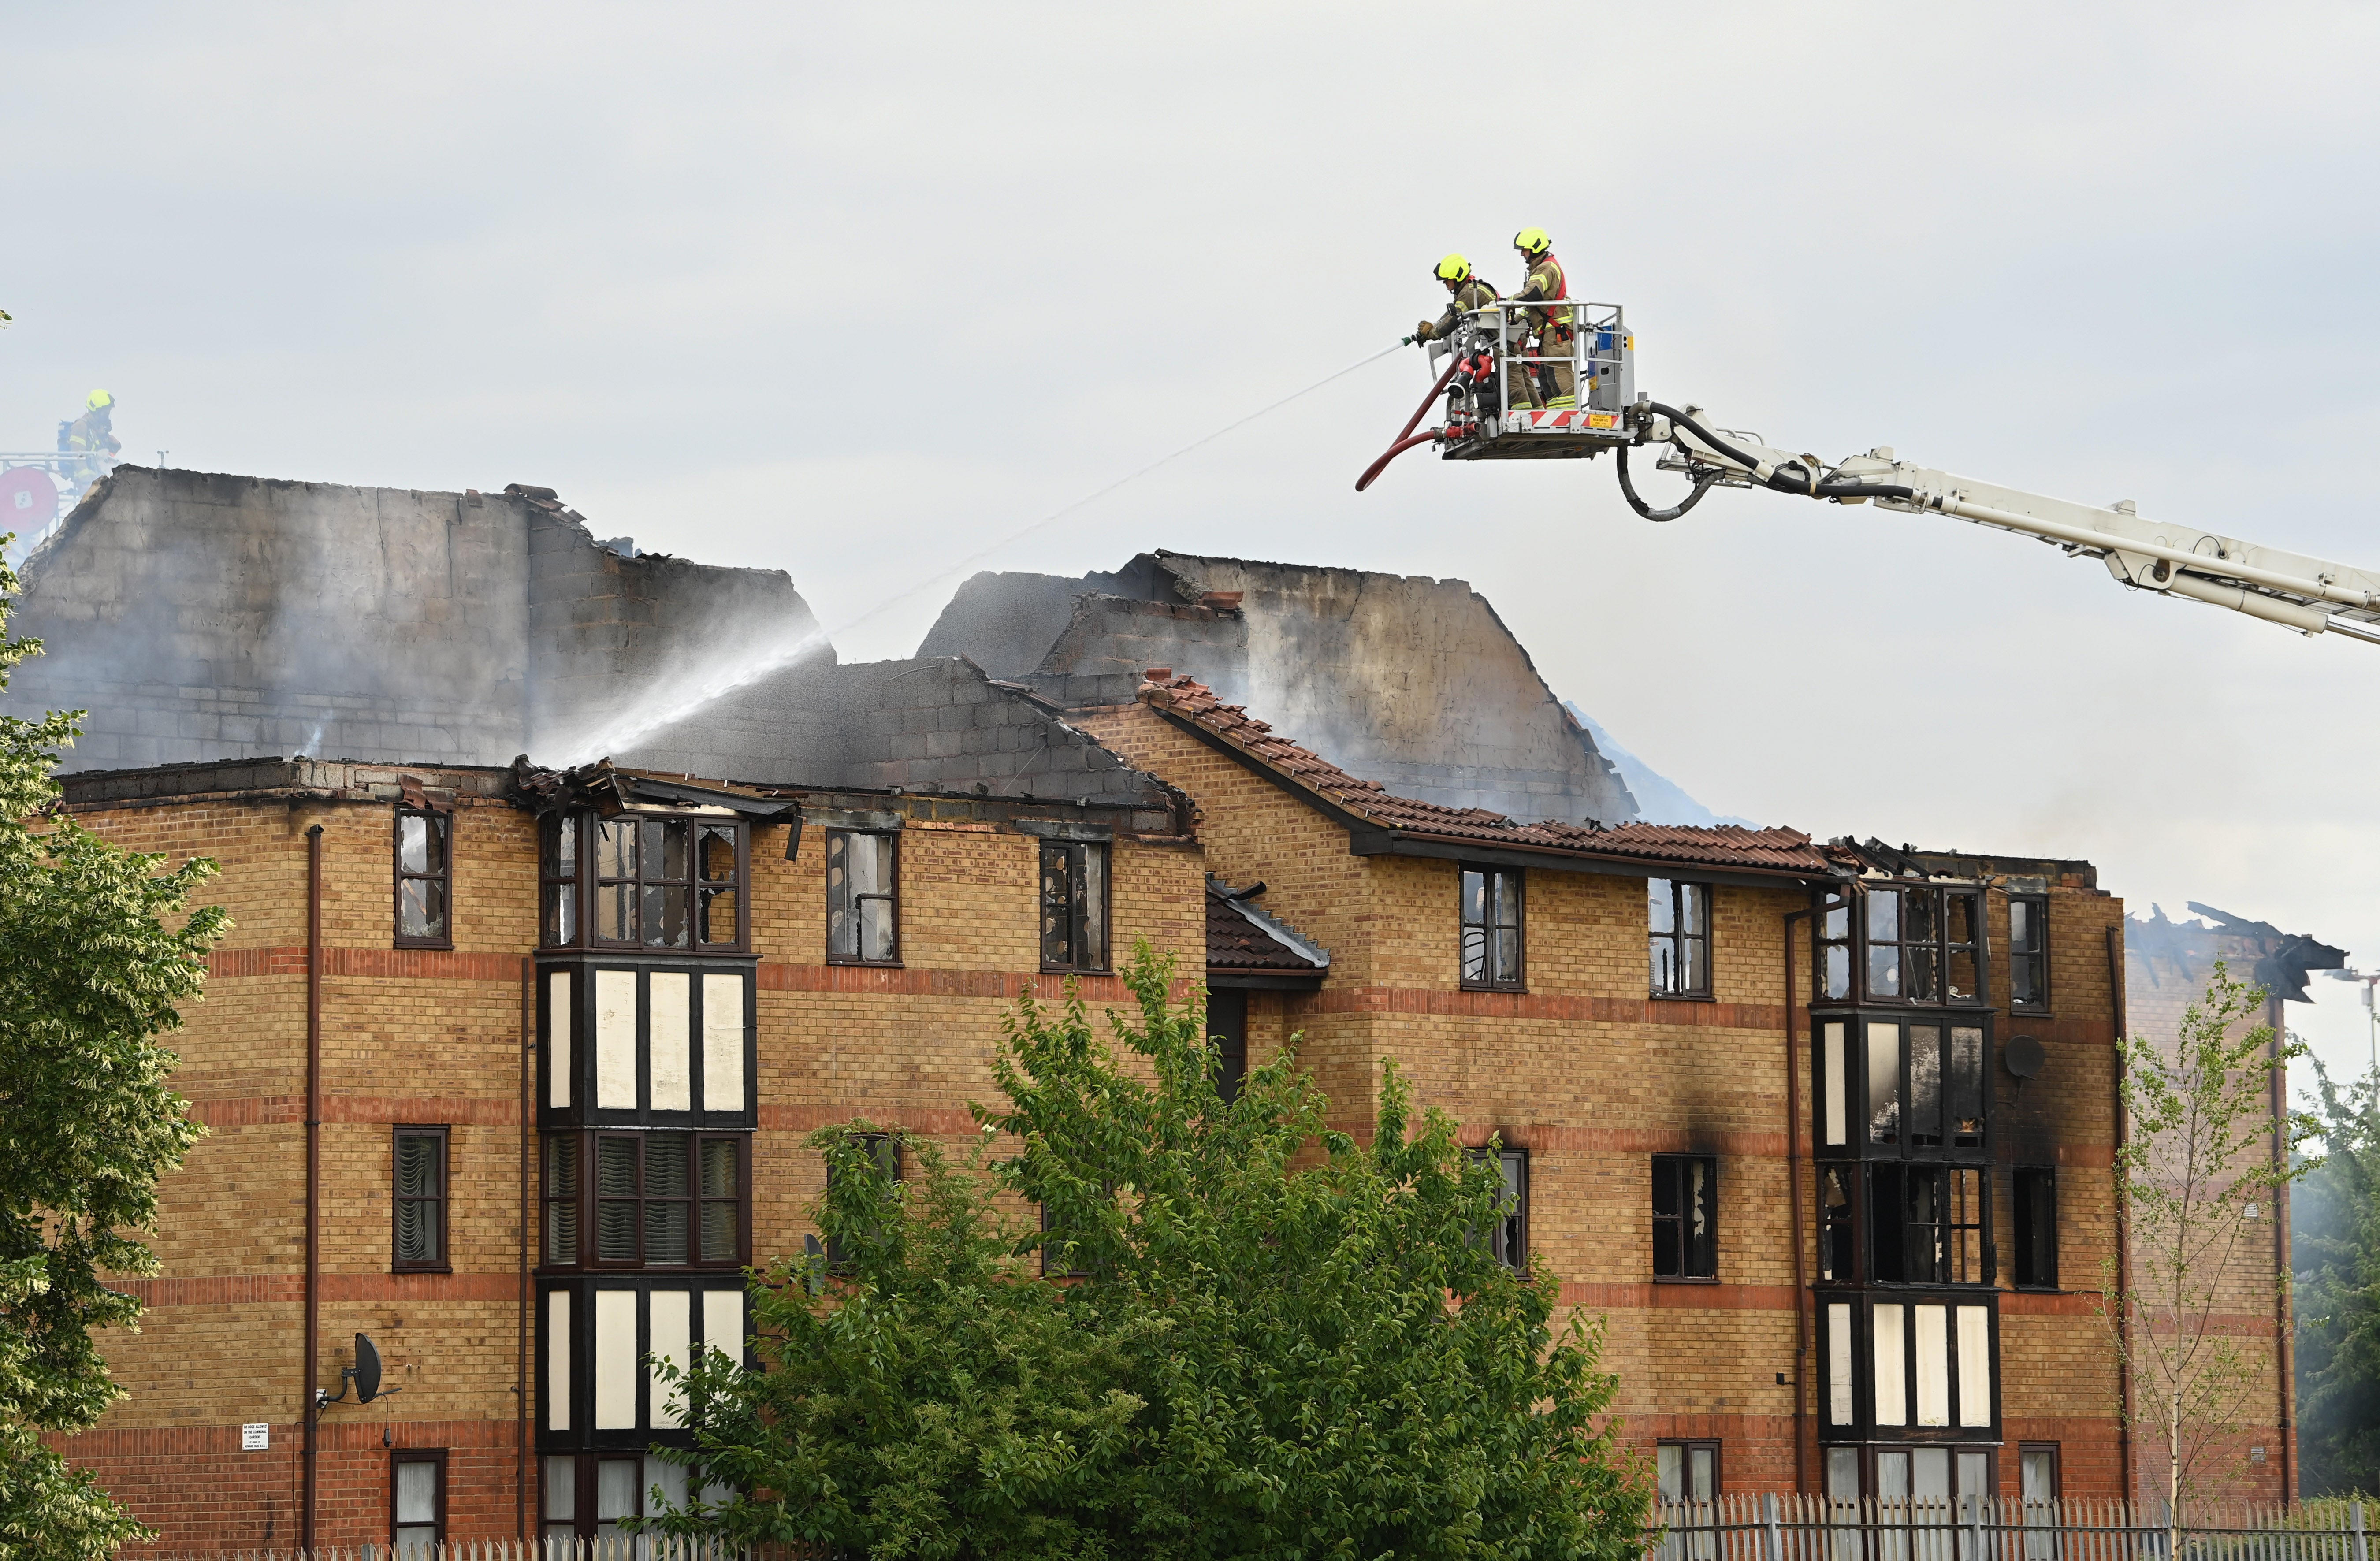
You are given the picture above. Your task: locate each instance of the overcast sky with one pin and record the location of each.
(857, 291)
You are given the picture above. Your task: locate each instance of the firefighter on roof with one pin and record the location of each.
(1471, 291)
(90, 436)
(1556, 329)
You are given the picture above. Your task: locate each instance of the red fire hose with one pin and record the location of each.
(1407, 438)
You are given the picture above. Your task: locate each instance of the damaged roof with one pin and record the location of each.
(1775, 851)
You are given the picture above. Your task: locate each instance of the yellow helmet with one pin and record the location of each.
(1531, 242)
(1454, 268)
(96, 400)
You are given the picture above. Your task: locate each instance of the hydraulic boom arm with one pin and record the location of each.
(2309, 595)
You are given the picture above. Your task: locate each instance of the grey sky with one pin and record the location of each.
(851, 290)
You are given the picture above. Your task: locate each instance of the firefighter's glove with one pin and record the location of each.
(1424, 331)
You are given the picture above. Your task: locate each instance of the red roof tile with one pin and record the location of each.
(1726, 845)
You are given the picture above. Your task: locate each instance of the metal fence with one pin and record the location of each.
(606, 1547)
(1771, 1528)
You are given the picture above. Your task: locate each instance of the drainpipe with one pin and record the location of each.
(528, 1147)
(1793, 1184)
(2279, 1021)
(2124, 1254)
(313, 1170)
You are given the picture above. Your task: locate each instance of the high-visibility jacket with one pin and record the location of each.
(1547, 282)
(1475, 294)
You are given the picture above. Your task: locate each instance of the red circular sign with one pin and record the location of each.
(28, 501)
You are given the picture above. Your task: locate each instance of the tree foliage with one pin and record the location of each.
(2198, 1177)
(2334, 1230)
(90, 975)
(1258, 1337)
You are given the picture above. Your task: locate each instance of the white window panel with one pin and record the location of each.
(1974, 1365)
(1840, 1404)
(1837, 1112)
(670, 1318)
(1891, 1378)
(557, 1361)
(615, 1359)
(669, 1002)
(722, 1042)
(723, 1323)
(557, 1038)
(615, 1040)
(1932, 1328)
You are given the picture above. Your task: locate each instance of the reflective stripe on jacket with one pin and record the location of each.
(1547, 282)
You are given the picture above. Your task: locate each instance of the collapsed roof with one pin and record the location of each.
(1413, 681)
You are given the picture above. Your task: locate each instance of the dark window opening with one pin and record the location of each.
(1685, 1216)
(558, 879)
(424, 877)
(653, 883)
(1943, 1067)
(1834, 945)
(1928, 1225)
(863, 913)
(1838, 1253)
(1227, 1032)
(1491, 928)
(419, 1199)
(1074, 905)
(2029, 952)
(884, 1148)
(1678, 917)
(1924, 945)
(2037, 1226)
(1508, 1237)
(659, 1200)
(417, 1503)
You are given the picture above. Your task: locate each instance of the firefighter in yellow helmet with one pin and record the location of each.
(1470, 292)
(1556, 327)
(90, 436)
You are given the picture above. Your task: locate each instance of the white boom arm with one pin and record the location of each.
(2309, 595)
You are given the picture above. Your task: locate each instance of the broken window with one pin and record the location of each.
(1508, 1237)
(655, 883)
(424, 877)
(1227, 1033)
(1685, 1216)
(1491, 928)
(1929, 1225)
(2029, 952)
(1678, 919)
(1074, 905)
(654, 1200)
(863, 915)
(2037, 1226)
(1924, 944)
(1943, 1069)
(1834, 945)
(1838, 1251)
(418, 1184)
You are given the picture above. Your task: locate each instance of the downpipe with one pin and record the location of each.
(313, 1178)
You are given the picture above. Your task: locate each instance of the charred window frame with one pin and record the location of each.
(884, 1148)
(416, 1502)
(1831, 949)
(424, 867)
(418, 1184)
(647, 1200)
(863, 898)
(1493, 917)
(662, 882)
(1931, 1225)
(1924, 944)
(1685, 1218)
(558, 922)
(1677, 917)
(2029, 953)
(2035, 1197)
(1074, 905)
(1508, 1237)
(1837, 1224)
(1926, 1088)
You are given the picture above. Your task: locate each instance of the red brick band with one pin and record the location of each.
(230, 1289)
(337, 1433)
(451, 1109)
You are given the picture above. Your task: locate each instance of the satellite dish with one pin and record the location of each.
(366, 1370)
(2024, 1056)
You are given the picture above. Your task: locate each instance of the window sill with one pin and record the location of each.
(444, 943)
(864, 964)
(1686, 1278)
(1514, 988)
(422, 1268)
(1076, 970)
(2015, 1013)
(1684, 997)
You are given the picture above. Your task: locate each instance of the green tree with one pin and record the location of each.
(90, 975)
(2335, 1232)
(2198, 1175)
(1261, 1339)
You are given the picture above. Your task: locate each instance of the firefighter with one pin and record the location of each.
(1557, 329)
(1471, 291)
(89, 437)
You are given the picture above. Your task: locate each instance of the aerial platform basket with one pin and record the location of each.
(1485, 421)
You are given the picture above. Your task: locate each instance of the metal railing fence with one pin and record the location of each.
(1799, 1527)
(605, 1547)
